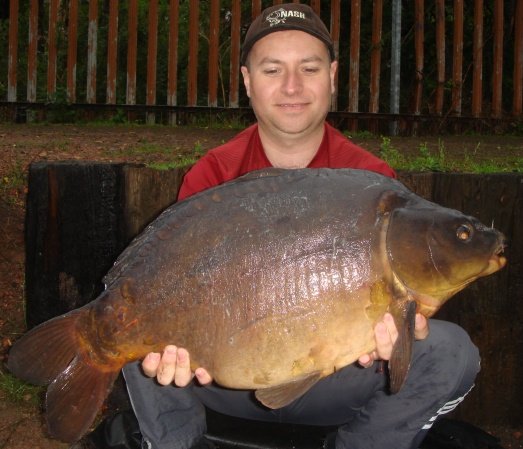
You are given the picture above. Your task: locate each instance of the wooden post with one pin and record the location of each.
(192, 73)
(517, 102)
(395, 64)
(477, 59)
(375, 56)
(51, 49)
(112, 52)
(32, 52)
(13, 51)
(375, 62)
(315, 5)
(234, 76)
(335, 34)
(497, 69)
(256, 9)
(419, 38)
(72, 50)
(152, 52)
(354, 60)
(132, 42)
(440, 57)
(172, 70)
(214, 43)
(457, 58)
(92, 46)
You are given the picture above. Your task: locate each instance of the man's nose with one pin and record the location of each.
(293, 82)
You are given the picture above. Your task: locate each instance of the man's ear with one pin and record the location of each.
(333, 70)
(246, 80)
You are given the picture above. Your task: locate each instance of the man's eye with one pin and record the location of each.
(311, 69)
(270, 71)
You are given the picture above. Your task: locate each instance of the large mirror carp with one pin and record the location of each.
(271, 281)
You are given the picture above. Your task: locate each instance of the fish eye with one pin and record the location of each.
(464, 232)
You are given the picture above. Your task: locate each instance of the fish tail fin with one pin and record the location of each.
(46, 350)
(51, 353)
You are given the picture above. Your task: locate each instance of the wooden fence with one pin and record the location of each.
(459, 59)
(80, 216)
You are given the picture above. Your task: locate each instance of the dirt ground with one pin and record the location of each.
(20, 145)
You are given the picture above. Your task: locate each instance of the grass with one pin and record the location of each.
(18, 391)
(13, 181)
(439, 161)
(181, 159)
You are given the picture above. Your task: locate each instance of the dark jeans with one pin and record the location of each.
(442, 372)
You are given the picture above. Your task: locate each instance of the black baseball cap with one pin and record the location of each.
(288, 16)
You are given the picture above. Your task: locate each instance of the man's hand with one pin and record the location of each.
(386, 335)
(173, 365)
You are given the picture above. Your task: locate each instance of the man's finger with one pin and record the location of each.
(182, 374)
(384, 342)
(150, 364)
(421, 330)
(167, 366)
(204, 378)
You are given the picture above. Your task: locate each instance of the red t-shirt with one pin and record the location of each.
(244, 153)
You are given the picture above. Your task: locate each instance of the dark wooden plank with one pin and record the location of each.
(73, 234)
(489, 308)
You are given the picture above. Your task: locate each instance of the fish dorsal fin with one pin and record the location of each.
(283, 394)
(399, 363)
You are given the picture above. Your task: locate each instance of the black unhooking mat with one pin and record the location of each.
(121, 431)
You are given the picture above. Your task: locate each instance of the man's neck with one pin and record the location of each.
(291, 151)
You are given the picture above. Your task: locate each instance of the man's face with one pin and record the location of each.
(290, 79)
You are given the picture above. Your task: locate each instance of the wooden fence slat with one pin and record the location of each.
(234, 76)
(132, 45)
(517, 102)
(375, 56)
(152, 53)
(32, 51)
(192, 94)
(256, 9)
(477, 59)
(112, 53)
(315, 5)
(72, 50)
(214, 44)
(395, 63)
(419, 40)
(172, 58)
(13, 51)
(92, 46)
(457, 58)
(354, 57)
(497, 69)
(335, 35)
(51, 48)
(440, 57)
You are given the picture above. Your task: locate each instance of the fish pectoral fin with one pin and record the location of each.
(283, 394)
(399, 363)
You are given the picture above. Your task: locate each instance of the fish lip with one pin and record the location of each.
(498, 258)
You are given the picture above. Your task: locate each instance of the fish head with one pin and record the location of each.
(434, 252)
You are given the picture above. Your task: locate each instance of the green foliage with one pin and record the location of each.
(426, 160)
(391, 155)
(18, 391)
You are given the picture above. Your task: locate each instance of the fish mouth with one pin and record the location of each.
(498, 259)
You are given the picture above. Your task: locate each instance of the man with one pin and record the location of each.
(288, 68)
